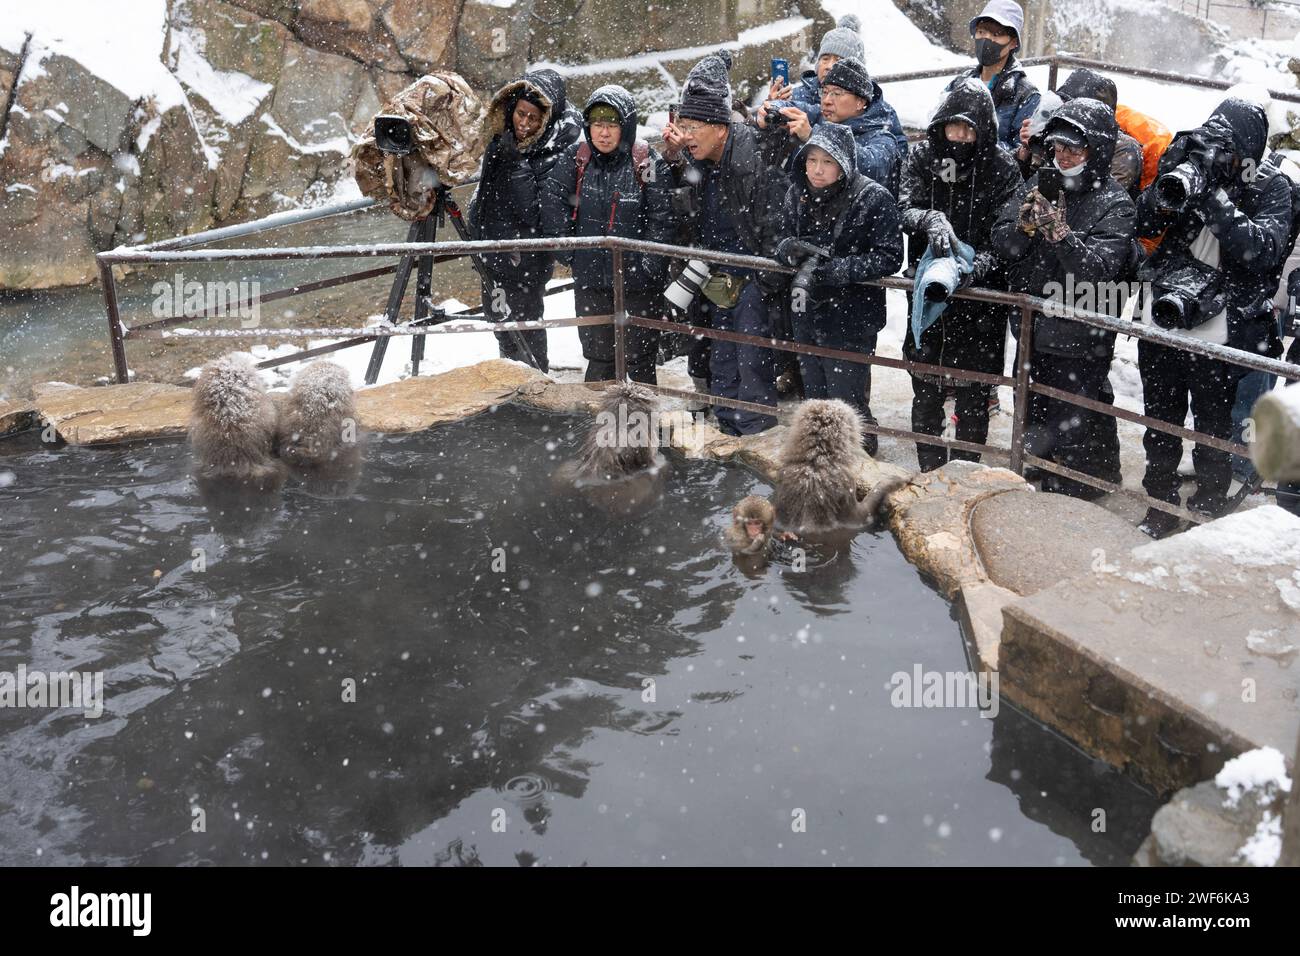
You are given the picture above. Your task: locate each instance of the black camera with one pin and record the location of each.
(393, 135)
(1206, 164)
(1187, 295)
(772, 114)
(803, 279)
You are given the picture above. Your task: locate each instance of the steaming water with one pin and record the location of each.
(514, 698)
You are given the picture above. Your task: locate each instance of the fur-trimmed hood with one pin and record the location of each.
(547, 86)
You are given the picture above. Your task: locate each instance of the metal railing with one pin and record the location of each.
(1016, 455)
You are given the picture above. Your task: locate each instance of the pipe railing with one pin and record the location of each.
(1027, 306)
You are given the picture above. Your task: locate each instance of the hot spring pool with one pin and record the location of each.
(501, 715)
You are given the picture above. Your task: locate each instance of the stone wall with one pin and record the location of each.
(87, 167)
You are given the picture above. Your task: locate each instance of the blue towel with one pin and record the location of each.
(944, 271)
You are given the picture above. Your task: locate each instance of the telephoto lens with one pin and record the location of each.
(1169, 312)
(393, 135)
(1178, 186)
(687, 286)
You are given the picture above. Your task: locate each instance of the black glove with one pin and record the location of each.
(508, 146)
(1218, 209)
(940, 233)
(985, 262)
(791, 251)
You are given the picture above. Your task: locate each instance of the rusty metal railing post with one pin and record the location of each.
(114, 322)
(1052, 70)
(620, 321)
(1021, 410)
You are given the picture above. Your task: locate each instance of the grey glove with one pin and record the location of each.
(940, 233)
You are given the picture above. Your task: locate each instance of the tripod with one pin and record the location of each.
(425, 230)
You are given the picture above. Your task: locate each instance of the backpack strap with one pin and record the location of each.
(580, 160)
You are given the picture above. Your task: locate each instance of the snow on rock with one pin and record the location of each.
(233, 95)
(1261, 771)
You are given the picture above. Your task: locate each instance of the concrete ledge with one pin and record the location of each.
(1173, 659)
(16, 417)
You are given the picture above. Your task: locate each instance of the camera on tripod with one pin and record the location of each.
(393, 134)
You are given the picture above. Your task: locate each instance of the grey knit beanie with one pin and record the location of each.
(845, 40)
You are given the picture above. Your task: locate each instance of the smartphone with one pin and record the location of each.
(781, 70)
(1049, 182)
(672, 112)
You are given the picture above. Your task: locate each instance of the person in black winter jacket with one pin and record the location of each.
(530, 124)
(955, 183)
(1081, 241)
(1222, 258)
(623, 190)
(832, 206)
(730, 192)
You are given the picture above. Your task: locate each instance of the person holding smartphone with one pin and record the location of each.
(1070, 226)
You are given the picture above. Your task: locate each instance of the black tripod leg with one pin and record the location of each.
(394, 307)
(423, 290)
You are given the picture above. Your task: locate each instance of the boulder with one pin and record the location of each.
(1211, 824)
(177, 177)
(1028, 541)
(931, 519)
(350, 28)
(415, 404)
(114, 413)
(234, 40)
(1172, 658)
(16, 417)
(424, 31)
(982, 603)
(492, 44)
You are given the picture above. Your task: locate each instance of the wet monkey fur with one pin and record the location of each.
(619, 469)
(317, 430)
(232, 427)
(750, 531)
(817, 480)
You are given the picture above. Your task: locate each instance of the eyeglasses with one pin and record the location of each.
(1070, 152)
(690, 129)
(605, 125)
(834, 93)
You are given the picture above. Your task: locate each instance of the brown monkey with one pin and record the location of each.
(232, 427)
(619, 469)
(817, 482)
(750, 531)
(318, 422)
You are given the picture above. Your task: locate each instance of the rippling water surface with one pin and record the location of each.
(532, 684)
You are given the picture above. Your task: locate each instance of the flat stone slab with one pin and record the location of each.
(1173, 658)
(1198, 827)
(1029, 541)
(16, 417)
(113, 413)
(931, 519)
(415, 404)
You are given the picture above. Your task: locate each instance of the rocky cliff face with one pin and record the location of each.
(260, 102)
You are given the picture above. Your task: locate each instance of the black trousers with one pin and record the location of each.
(512, 302)
(1170, 377)
(642, 345)
(927, 418)
(1068, 434)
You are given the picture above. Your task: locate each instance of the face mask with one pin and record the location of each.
(988, 51)
(1072, 172)
(960, 153)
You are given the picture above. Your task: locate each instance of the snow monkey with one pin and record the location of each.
(619, 469)
(318, 422)
(817, 481)
(232, 427)
(750, 531)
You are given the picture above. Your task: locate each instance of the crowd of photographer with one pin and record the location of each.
(1010, 189)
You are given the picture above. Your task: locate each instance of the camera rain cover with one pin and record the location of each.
(446, 120)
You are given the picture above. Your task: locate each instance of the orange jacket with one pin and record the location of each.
(1155, 139)
(1151, 133)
